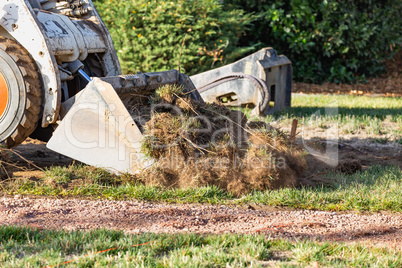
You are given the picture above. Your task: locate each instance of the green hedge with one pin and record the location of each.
(326, 40)
(148, 35)
(339, 41)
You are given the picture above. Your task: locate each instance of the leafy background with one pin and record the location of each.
(336, 41)
(149, 35)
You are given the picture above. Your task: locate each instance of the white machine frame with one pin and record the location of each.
(53, 38)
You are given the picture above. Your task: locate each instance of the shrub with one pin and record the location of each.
(339, 41)
(148, 35)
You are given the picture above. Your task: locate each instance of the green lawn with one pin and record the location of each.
(360, 115)
(378, 188)
(24, 247)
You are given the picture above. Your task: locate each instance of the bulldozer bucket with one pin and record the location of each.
(98, 130)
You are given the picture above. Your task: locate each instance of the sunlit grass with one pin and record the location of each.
(24, 247)
(371, 116)
(375, 189)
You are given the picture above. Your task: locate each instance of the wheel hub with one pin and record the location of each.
(3, 95)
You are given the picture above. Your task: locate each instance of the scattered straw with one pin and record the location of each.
(209, 144)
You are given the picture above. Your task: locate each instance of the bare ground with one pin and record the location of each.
(376, 229)
(365, 153)
(138, 217)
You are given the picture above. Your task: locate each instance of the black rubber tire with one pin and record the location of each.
(25, 89)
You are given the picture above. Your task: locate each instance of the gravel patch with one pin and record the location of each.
(376, 229)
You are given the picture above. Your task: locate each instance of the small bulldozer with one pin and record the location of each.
(61, 82)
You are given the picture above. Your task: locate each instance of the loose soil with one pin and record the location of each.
(29, 159)
(4, 158)
(377, 229)
(374, 229)
(361, 154)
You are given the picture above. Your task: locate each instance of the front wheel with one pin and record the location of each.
(20, 93)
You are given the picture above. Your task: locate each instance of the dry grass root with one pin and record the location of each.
(197, 144)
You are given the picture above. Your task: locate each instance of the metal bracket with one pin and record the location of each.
(266, 65)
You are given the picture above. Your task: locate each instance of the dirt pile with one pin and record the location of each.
(197, 144)
(349, 167)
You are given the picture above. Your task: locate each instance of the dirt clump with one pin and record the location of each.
(197, 144)
(349, 167)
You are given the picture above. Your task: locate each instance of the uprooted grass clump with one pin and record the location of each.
(197, 144)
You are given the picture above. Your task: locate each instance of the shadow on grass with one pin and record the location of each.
(377, 188)
(380, 113)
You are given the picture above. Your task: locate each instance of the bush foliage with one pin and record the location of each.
(339, 41)
(326, 40)
(148, 35)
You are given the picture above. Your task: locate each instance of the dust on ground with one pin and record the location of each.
(375, 229)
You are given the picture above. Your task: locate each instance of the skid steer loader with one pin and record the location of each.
(60, 78)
